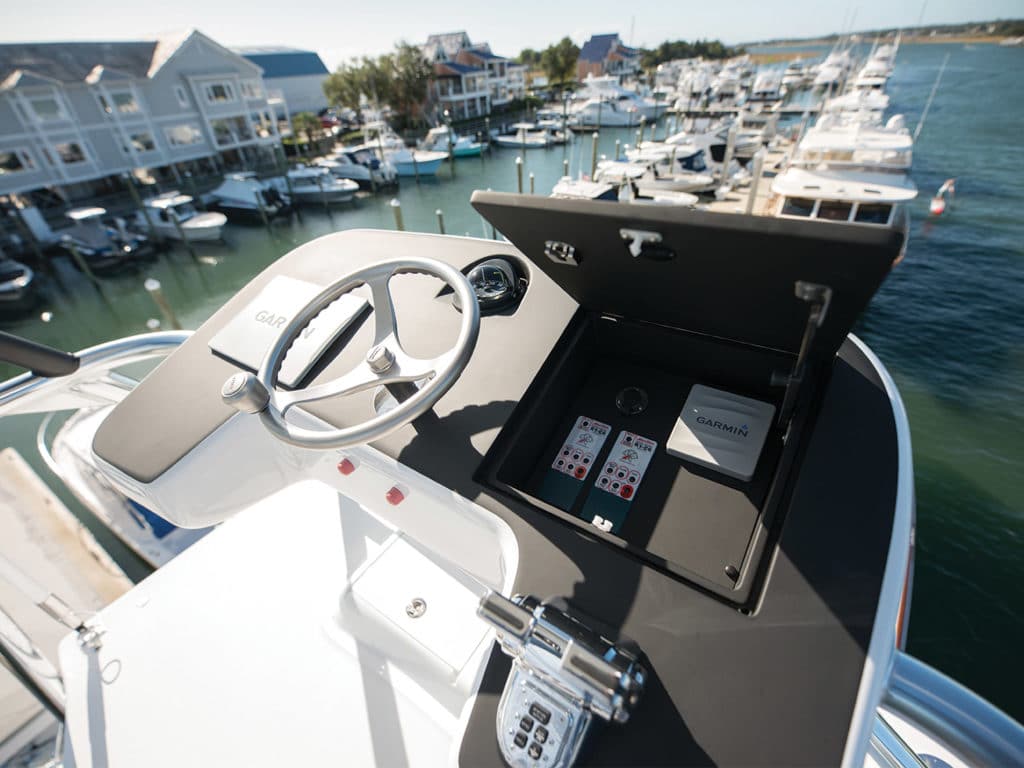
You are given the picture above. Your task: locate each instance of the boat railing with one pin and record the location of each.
(93, 382)
(942, 712)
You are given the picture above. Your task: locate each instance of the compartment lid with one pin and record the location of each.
(726, 275)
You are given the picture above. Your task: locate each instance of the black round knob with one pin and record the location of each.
(631, 401)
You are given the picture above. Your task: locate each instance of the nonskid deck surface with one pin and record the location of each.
(289, 622)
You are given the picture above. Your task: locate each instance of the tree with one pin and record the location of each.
(529, 57)
(410, 78)
(307, 124)
(399, 79)
(680, 49)
(559, 61)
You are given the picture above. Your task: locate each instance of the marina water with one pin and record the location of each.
(948, 323)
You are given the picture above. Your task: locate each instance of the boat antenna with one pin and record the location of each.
(931, 96)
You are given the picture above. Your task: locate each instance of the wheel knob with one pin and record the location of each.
(244, 392)
(380, 359)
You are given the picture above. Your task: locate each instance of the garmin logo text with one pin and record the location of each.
(715, 424)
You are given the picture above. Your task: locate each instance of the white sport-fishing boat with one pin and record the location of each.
(796, 75)
(523, 136)
(853, 196)
(864, 106)
(767, 85)
(833, 72)
(362, 166)
(841, 141)
(602, 102)
(442, 138)
(650, 172)
(579, 510)
(380, 137)
(246, 196)
(315, 185)
(684, 161)
(174, 215)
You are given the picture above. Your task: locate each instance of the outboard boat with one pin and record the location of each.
(245, 196)
(361, 166)
(106, 247)
(578, 510)
(524, 136)
(174, 215)
(442, 139)
(316, 185)
(17, 288)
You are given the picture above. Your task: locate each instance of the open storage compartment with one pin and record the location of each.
(663, 316)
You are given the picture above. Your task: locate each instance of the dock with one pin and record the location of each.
(47, 543)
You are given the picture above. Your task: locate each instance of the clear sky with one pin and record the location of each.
(338, 30)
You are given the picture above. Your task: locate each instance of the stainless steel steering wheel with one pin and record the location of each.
(386, 362)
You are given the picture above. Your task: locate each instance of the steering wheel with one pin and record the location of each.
(387, 362)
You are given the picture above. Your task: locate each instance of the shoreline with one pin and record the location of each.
(915, 40)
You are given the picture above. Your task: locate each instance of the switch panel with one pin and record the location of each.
(618, 482)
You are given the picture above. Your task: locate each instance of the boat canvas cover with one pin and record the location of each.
(719, 274)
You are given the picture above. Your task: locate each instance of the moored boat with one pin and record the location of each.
(17, 288)
(174, 216)
(106, 247)
(244, 195)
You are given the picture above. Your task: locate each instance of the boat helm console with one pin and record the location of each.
(639, 435)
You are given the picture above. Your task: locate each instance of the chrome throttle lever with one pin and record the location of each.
(563, 673)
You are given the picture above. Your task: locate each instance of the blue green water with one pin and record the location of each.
(947, 323)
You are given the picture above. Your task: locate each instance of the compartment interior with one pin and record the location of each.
(692, 521)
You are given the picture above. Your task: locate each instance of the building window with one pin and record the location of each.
(141, 142)
(251, 89)
(231, 130)
(15, 161)
(220, 93)
(184, 135)
(70, 153)
(125, 103)
(46, 109)
(182, 97)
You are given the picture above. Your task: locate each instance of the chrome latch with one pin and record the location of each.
(561, 253)
(636, 239)
(563, 673)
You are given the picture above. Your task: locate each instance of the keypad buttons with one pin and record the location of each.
(526, 724)
(535, 751)
(520, 739)
(539, 713)
(541, 735)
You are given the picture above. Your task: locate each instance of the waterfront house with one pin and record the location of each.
(607, 55)
(461, 90)
(295, 76)
(74, 116)
(456, 58)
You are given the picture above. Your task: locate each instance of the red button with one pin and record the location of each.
(346, 467)
(626, 491)
(394, 496)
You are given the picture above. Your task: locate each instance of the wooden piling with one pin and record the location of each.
(396, 210)
(152, 286)
(440, 220)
